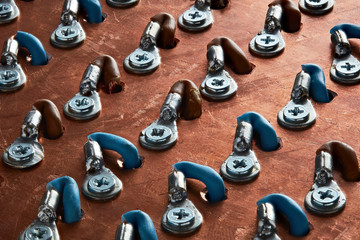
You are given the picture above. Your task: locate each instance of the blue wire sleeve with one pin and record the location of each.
(351, 30)
(318, 90)
(34, 46)
(142, 223)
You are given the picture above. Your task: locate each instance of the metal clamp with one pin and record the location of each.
(316, 7)
(218, 84)
(242, 165)
(266, 223)
(197, 18)
(69, 33)
(146, 58)
(162, 133)
(269, 42)
(325, 197)
(100, 183)
(85, 105)
(12, 77)
(8, 11)
(122, 3)
(181, 215)
(44, 227)
(26, 151)
(299, 112)
(345, 67)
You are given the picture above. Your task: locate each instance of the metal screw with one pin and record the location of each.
(194, 17)
(101, 183)
(157, 134)
(316, 4)
(266, 42)
(21, 152)
(325, 196)
(67, 34)
(5, 10)
(141, 59)
(9, 77)
(242, 166)
(81, 104)
(38, 233)
(296, 114)
(348, 69)
(180, 216)
(217, 85)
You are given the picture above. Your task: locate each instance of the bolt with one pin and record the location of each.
(296, 114)
(267, 42)
(316, 4)
(67, 34)
(101, 183)
(157, 134)
(9, 77)
(217, 85)
(141, 59)
(194, 17)
(239, 166)
(325, 196)
(180, 216)
(348, 69)
(38, 233)
(5, 10)
(81, 104)
(21, 152)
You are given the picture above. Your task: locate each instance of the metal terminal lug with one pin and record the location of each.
(122, 3)
(345, 70)
(197, 18)
(316, 7)
(267, 42)
(66, 34)
(141, 59)
(218, 86)
(21, 152)
(341, 42)
(158, 134)
(177, 186)
(266, 223)
(8, 11)
(125, 231)
(325, 196)
(39, 232)
(70, 11)
(100, 183)
(273, 19)
(150, 35)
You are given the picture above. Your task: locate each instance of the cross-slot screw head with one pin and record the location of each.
(348, 69)
(217, 85)
(194, 17)
(325, 197)
(81, 104)
(38, 233)
(239, 166)
(21, 152)
(180, 217)
(101, 183)
(316, 4)
(267, 42)
(296, 114)
(158, 134)
(8, 77)
(141, 59)
(67, 34)
(5, 10)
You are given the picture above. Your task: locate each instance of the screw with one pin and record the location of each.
(5, 10)
(67, 34)
(348, 69)
(157, 134)
(239, 166)
(325, 196)
(9, 77)
(194, 17)
(101, 183)
(141, 59)
(180, 216)
(81, 104)
(266, 42)
(316, 4)
(296, 114)
(217, 85)
(38, 233)
(21, 152)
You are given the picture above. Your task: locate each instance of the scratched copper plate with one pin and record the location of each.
(207, 140)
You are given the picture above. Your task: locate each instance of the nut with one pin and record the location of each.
(217, 85)
(5, 10)
(296, 114)
(194, 17)
(180, 217)
(81, 104)
(66, 34)
(325, 197)
(8, 77)
(266, 42)
(348, 69)
(239, 166)
(157, 134)
(21, 152)
(141, 59)
(101, 183)
(316, 4)
(38, 233)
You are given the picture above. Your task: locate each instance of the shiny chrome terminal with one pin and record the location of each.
(197, 18)
(266, 223)
(242, 165)
(325, 197)
(299, 112)
(26, 151)
(100, 183)
(125, 231)
(8, 11)
(181, 215)
(316, 7)
(122, 3)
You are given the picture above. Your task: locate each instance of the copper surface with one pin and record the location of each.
(206, 140)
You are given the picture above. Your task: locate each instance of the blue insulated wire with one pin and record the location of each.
(93, 9)
(142, 223)
(34, 46)
(318, 90)
(351, 30)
